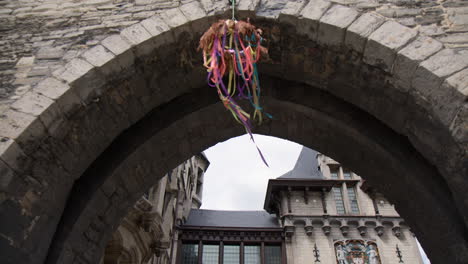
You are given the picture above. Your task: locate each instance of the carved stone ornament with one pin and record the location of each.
(396, 231)
(379, 230)
(326, 229)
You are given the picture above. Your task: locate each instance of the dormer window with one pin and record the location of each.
(347, 175)
(345, 197)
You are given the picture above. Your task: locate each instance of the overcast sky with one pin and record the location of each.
(237, 178)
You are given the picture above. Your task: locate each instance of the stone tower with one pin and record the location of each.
(330, 215)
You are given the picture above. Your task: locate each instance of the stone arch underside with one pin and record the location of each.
(358, 83)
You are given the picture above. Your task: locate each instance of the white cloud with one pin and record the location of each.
(237, 178)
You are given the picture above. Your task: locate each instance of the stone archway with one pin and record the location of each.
(81, 146)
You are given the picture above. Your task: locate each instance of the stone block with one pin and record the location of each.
(25, 61)
(25, 129)
(120, 47)
(195, 14)
(271, 9)
(50, 53)
(14, 123)
(32, 103)
(446, 62)
(45, 7)
(429, 77)
(383, 44)
(192, 11)
(360, 29)
(408, 59)
(293, 8)
(333, 24)
(74, 70)
(248, 5)
(11, 153)
(98, 56)
(216, 7)
(311, 14)
(291, 12)
(459, 125)
(116, 44)
(135, 34)
(173, 17)
(458, 81)
(51, 88)
(89, 86)
(6, 175)
(38, 105)
(155, 25)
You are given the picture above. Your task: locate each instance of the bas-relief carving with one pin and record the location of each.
(357, 252)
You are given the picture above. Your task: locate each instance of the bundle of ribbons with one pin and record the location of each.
(231, 50)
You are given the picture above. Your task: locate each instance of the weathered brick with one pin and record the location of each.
(98, 56)
(192, 11)
(333, 25)
(409, 58)
(155, 25)
(51, 88)
(116, 44)
(74, 70)
(430, 75)
(6, 175)
(32, 103)
(10, 152)
(458, 81)
(311, 13)
(385, 42)
(173, 17)
(360, 29)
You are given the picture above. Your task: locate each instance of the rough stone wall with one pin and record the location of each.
(38, 37)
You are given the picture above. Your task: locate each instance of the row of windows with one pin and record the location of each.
(339, 201)
(334, 174)
(338, 193)
(231, 254)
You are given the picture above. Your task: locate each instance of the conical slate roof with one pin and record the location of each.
(306, 166)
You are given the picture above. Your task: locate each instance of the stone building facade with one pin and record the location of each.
(327, 209)
(319, 212)
(147, 234)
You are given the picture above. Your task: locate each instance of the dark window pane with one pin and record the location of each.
(347, 175)
(210, 254)
(353, 200)
(252, 255)
(334, 175)
(272, 254)
(189, 253)
(340, 209)
(231, 254)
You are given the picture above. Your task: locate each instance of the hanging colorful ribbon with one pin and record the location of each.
(231, 50)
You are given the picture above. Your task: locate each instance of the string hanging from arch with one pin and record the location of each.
(231, 50)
